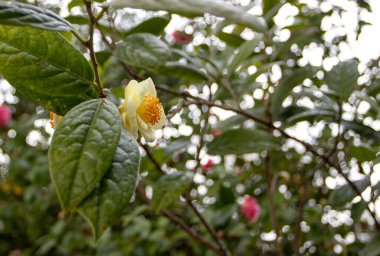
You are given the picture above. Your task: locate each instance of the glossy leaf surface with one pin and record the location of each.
(107, 202)
(82, 150)
(45, 67)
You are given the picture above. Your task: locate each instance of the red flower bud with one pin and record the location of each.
(5, 116)
(250, 209)
(207, 166)
(181, 37)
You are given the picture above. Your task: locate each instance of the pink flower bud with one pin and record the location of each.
(5, 116)
(216, 133)
(250, 209)
(181, 37)
(207, 166)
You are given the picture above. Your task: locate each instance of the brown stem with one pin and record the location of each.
(202, 133)
(303, 194)
(90, 46)
(208, 227)
(151, 158)
(181, 224)
(222, 250)
(272, 211)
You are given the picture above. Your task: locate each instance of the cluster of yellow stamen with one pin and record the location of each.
(150, 110)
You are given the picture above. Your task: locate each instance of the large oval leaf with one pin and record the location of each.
(343, 77)
(19, 14)
(143, 50)
(153, 25)
(169, 187)
(344, 194)
(82, 150)
(245, 50)
(107, 202)
(242, 141)
(232, 13)
(284, 89)
(45, 67)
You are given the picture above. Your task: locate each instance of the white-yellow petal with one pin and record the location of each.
(162, 121)
(146, 130)
(131, 118)
(135, 91)
(150, 87)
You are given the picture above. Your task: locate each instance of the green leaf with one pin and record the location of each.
(311, 115)
(242, 141)
(374, 90)
(75, 3)
(169, 187)
(376, 189)
(362, 153)
(230, 123)
(269, 5)
(82, 150)
(106, 204)
(362, 130)
(197, 8)
(144, 51)
(244, 52)
(339, 197)
(177, 147)
(231, 39)
(185, 71)
(84, 20)
(260, 70)
(343, 78)
(153, 25)
(78, 19)
(45, 67)
(372, 248)
(286, 86)
(357, 210)
(226, 196)
(18, 14)
(270, 10)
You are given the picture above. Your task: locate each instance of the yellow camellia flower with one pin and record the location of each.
(142, 110)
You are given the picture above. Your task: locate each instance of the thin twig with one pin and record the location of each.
(208, 227)
(302, 192)
(151, 158)
(182, 104)
(272, 211)
(90, 46)
(339, 134)
(180, 224)
(203, 131)
(210, 230)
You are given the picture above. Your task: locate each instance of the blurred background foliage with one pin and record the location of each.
(313, 73)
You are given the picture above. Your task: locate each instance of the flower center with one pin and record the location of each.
(150, 110)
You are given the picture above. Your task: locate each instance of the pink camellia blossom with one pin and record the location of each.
(250, 209)
(207, 166)
(5, 116)
(181, 37)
